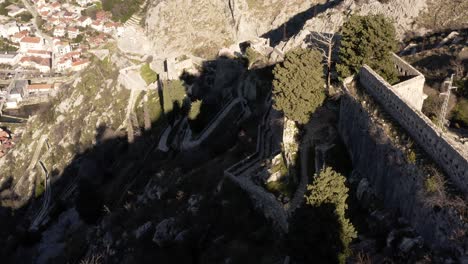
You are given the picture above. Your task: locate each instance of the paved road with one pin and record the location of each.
(33, 11)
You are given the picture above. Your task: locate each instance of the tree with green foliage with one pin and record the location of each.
(460, 113)
(329, 188)
(5, 45)
(298, 85)
(367, 40)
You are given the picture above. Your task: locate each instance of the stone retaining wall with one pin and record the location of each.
(450, 157)
(397, 183)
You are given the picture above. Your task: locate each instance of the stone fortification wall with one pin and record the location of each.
(451, 157)
(411, 89)
(392, 179)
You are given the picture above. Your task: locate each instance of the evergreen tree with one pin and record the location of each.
(367, 40)
(329, 188)
(298, 87)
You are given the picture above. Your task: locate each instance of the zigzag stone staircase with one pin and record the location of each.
(244, 171)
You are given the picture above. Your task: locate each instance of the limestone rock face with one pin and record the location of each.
(403, 13)
(202, 27)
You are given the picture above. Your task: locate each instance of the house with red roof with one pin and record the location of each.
(31, 43)
(73, 32)
(41, 64)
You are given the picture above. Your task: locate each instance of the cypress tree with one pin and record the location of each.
(298, 87)
(367, 40)
(329, 188)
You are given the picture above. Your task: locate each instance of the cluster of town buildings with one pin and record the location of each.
(65, 22)
(22, 89)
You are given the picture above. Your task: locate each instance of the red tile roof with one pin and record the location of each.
(31, 39)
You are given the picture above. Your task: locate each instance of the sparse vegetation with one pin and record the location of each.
(148, 74)
(281, 187)
(40, 188)
(411, 156)
(432, 106)
(460, 113)
(121, 10)
(252, 56)
(173, 94)
(3, 11)
(367, 40)
(444, 14)
(5, 45)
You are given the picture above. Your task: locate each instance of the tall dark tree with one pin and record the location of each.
(298, 87)
(329, 188)
(367, 40)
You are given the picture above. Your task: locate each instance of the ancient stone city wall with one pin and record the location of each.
(450, 157)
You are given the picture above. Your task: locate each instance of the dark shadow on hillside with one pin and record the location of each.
(109, 183)
(297, 22)
(314, 235)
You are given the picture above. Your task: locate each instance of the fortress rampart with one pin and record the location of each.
(452, 158)
(410, 89)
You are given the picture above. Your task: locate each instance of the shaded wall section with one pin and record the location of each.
(450, 156)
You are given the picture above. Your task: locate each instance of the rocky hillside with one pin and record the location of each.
(68, 125)
(214, 24)
(206, 26)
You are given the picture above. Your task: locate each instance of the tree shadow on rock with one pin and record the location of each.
(297, 22)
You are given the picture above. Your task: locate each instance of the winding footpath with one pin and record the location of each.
(33, 162)
(46, 198)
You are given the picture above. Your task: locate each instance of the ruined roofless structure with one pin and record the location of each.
(403, 101)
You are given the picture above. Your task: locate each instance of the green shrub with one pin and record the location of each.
(40, 188)
(25, 16)
(432, 105)
(5, 45)
(460, 113)
(282, 186)
(173, 93)
(434, 183)
(252, 56)
(411, 157)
